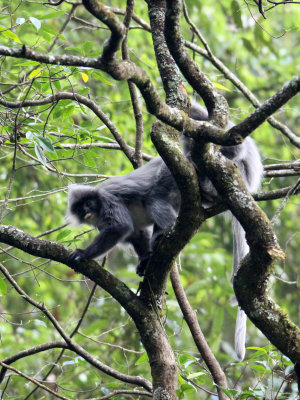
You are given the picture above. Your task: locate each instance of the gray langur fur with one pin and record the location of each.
(137, 208)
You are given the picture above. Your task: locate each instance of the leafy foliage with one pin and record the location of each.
(264, 54)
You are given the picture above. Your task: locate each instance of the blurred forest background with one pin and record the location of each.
(65, 142)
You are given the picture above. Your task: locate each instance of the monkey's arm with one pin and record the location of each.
(106, 240)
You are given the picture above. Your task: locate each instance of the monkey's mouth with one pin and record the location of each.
(88, 216)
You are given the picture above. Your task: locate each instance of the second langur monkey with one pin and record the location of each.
(139, 207)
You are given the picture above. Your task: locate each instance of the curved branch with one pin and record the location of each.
(57, 252)
(65, 59)
(218, 208)
(288, 165)
(269, 107)
(58, 344)
(118, 30)
(216, 104)
(33, 380)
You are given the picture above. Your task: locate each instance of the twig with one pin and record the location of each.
(199, 339)
(35, 381)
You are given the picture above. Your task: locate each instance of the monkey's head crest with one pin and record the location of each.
(77, 193)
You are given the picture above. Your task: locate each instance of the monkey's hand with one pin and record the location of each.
(77, 256)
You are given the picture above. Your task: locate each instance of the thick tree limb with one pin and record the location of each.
(176, 94)
(216, 104)
(118, 30)
(55, 251)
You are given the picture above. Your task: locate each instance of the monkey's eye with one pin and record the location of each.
(89, 203)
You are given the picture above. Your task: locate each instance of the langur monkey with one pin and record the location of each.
(137, 208)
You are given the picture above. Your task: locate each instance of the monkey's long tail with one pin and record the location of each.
(240, 249)
(240, 334)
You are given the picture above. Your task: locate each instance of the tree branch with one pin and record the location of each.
(33, 380)
(190, 317)
(55, 251)
(216, 104)
(118, 30)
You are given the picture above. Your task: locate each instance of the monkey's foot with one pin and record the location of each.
(141, 267)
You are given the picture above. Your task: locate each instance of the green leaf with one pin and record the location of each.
(259, 368)
(11, 35)
(236, 13)
(35, 73)
(27, 63)
(62, 234)
(144, 357)
(3, 288)
(45, 143)
(248, 394)
(52, 15)
(186, 357)
(186, 387)
(88, 47)
(62, 37)
(259, 351)
(228, 392)
(63, 111)
(195, 375)
(181, 381)
(40, 154)
(89, 160)
(99, 77)
(57, 85)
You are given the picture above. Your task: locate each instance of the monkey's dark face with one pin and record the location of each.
(87, 209)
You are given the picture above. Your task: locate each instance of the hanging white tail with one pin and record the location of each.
(240, 249)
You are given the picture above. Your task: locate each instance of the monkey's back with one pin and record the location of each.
(137, 183)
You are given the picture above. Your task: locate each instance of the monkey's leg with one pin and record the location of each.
(140, 241)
